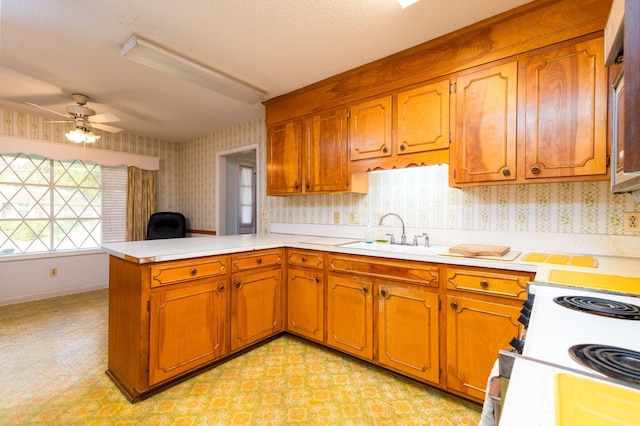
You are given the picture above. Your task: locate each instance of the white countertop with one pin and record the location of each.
(200, 246)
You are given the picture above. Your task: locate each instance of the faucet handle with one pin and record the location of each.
(392, 240)
(426, 239)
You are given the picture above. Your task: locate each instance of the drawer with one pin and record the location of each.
(256, 259)
(404, 270)
(306, 258)
(507, 284)
(185, 270)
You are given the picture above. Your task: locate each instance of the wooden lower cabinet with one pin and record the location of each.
(408, 330)
(476, 331)
(305, 303)
(256, 306)
(350, 314)
(188, 326)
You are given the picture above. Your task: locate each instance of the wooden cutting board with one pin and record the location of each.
(479, 250)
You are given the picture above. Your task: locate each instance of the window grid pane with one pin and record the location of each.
(48, 205)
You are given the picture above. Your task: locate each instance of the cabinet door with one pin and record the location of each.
(566, 112)
(476, 331)
(370, 129)
(327, 152)
(187, 327)
(284, 158)
(486, 117)
(349, 315)
(408, 330)
(423, 118)
(255, 307)
(305, 294)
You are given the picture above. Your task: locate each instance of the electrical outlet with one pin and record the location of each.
(336, 218)
(632, 222)
(53, 272)
(354, 218)
(265, 214)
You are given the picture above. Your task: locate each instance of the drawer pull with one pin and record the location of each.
(194, 271)
(454, 305)
(484, 284)
(304, 259)
(259, 261)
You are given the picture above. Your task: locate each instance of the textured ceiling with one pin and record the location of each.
(51, 49)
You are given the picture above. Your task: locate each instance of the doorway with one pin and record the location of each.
(236, 191)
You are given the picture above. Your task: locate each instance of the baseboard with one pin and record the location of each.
(48, 295)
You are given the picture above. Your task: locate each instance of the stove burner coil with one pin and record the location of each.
(598, 306)
(618, 363)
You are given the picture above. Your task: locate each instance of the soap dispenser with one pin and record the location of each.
(368, 234)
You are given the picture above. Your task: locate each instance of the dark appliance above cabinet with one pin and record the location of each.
(622, 53)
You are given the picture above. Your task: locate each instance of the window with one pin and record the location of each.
(52, 205)
(247, 197)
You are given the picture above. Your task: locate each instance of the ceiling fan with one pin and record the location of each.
(85, 119)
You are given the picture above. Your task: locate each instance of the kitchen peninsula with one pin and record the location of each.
(177, 307)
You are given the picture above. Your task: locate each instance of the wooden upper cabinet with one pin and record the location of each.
(327, 152)
(370, 129)
(484, 147)
(284, 158)
(566, 112)
(423, 118)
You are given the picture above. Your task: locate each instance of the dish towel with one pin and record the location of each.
(488, 417)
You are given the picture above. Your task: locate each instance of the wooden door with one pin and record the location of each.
(476, 331)
(566, 112)
(187, 327)
(484, 145)
(305, 294)
(349, 315)
(370, 129)
(327, 152)
(408, 331)
(423, 118)
(284, 158)
(255, 307)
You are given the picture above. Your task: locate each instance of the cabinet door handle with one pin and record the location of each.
(194, 271)
(295, 186)
(221, 288)
(402, 147)
(384, 149)
(308, 186)
(506, 172)
(535, 170)
(454, 305)
(365, 290)
(238, 285)
(384, 293)
(484, 284)
(317, 280)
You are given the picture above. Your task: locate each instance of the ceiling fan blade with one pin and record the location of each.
(61, 121)
(106, 128)
(47, 109)
(107, 117)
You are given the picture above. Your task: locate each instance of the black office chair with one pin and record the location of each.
(163, 225)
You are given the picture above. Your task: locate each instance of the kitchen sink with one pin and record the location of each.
(396, 248)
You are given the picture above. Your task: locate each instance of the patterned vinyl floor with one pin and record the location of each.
(53, 354)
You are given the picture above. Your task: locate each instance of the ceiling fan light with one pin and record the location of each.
(158, 58)
(76, 135)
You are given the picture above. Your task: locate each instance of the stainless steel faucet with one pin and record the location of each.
(403, 238)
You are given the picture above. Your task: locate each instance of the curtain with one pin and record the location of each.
(141, 201)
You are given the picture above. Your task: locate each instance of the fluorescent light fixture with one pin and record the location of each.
(406, 3)
(81, 135)
(145, 53)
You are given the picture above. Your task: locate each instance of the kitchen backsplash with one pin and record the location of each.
(586, 213)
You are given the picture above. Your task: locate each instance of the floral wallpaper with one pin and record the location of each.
(420, 195)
